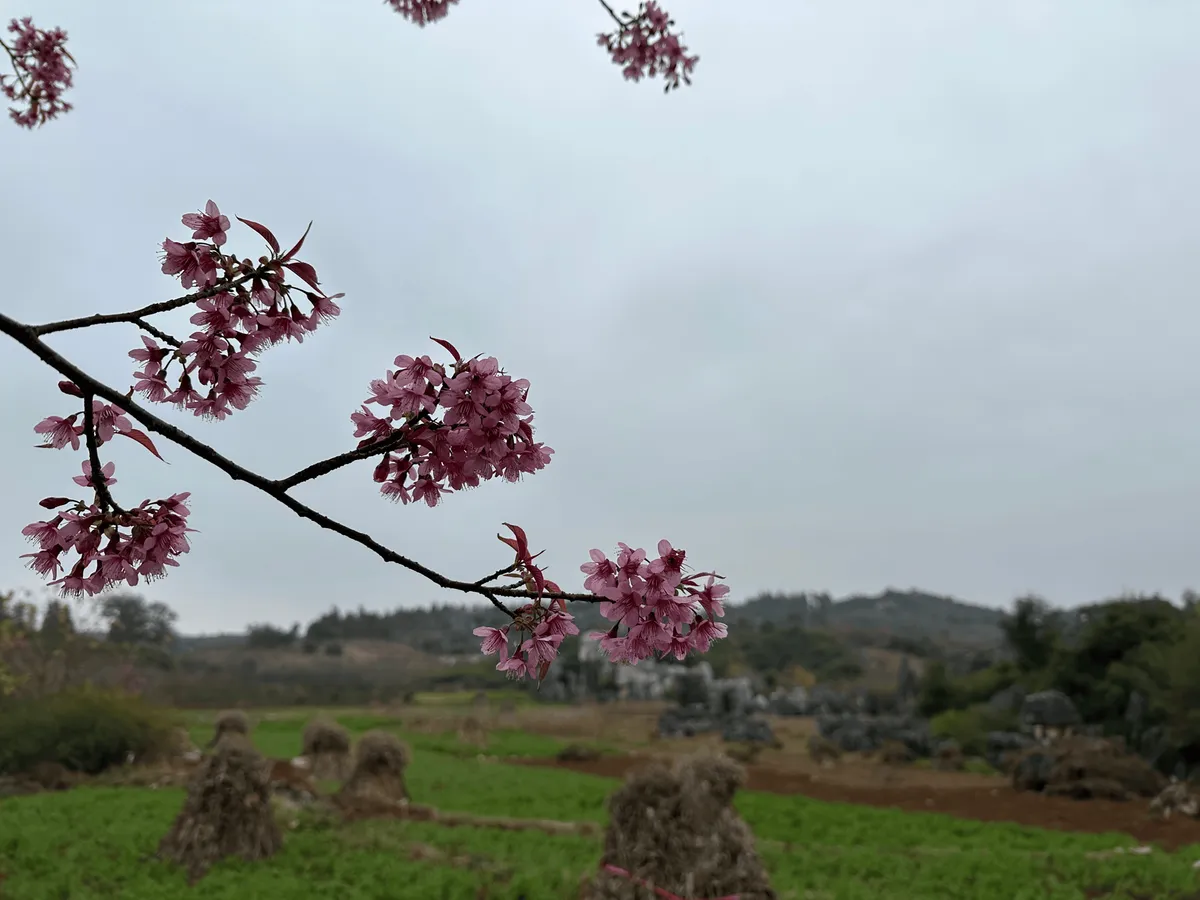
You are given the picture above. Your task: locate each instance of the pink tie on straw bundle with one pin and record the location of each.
(662, 892)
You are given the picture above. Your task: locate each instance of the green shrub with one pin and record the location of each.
(85, 730)
(970, 726)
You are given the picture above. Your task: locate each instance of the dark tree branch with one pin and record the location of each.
(104, 498)
(134, 315)
(161, 335)
(325, 466)
(27, 336)
(612, 13)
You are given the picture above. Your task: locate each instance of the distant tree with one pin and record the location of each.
(1032, 632)
(268, 637)
(936, 693)
(58, 627)
(132, 620)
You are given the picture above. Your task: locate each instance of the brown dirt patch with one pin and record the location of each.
(977, 797)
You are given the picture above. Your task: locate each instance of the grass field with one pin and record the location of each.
(98, 842)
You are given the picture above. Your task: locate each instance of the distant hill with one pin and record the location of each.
(444, 630)
(910, 614)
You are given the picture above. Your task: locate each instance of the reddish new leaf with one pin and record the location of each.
(263, 231)
(299, 243)
(53, 502)
(304, 271)
(522, 547)
(142, 438)
(450, 347)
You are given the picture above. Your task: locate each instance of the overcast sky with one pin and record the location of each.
(898, 293)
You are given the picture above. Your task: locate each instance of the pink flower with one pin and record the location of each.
(422, 12)
(151, 354)
(705, 632)
(194, 265)
(40, 73)
(208, 224)
(710, 597)
(494, 639)
(60, 431)
(85, 480)
(108, 420)
(601, 572)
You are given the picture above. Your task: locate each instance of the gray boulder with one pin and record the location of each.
(749, 730)
(1050, 709)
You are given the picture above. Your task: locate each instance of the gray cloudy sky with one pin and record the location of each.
(898, 293)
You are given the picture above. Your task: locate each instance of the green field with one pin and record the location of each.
(98, 842)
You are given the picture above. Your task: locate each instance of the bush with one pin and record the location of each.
(84, 730)
(970, 726)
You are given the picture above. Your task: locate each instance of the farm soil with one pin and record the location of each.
(978, 797)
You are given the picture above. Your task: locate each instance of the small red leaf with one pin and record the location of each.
(53, 502)
(70, 389)
(142, 438)
(522, 542)
(263, 231)
(299, 243)
(449, 346)
(305, 272)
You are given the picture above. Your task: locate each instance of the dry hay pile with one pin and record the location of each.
(1086, 768)
(1175, 798)
(822, 750)
(291, 781)
(232, 721)
(49, 776)
(175, 748)
(949, 758)
(327, 749)
(674, 830)
(508, 713)
(227, 812)
(895, 753)
(378, 777)
(471, 731)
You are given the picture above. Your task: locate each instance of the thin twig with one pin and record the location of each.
(152, 309)
(613, 13)
(105, 498)
(161, 335)
(26, 336)
(482, 581)
(325, 466)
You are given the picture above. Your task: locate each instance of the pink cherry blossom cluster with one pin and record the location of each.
(486, 428)
(644, 46)
(121, 545)
(255, 311)
(664, 612)
(537, 630)
(422, 12)
(40, 73)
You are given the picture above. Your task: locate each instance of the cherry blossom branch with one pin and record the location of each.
(97, 478)
(27, 337)
(135, 316)
(325, 466)
(161, 335)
